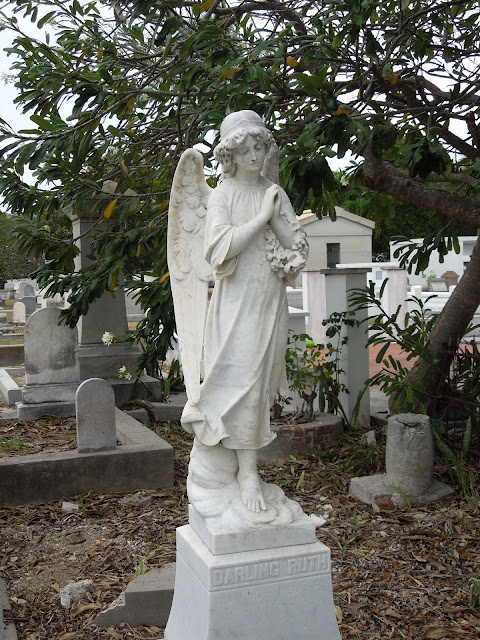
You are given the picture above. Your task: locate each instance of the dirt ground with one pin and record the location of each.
(399, 574)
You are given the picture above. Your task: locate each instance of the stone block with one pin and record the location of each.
(221, 541)
(9, 389)
(147, 600)
(33, 411)
(47, 393)
(260, 595)
(95, 411)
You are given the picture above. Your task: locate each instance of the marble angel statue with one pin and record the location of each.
(244, 236)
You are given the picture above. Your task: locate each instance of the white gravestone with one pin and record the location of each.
(51, 365)
(95, 404)
(248, 563)
(19, 313)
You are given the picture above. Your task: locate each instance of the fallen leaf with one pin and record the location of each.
(393, 614)
(436, 633)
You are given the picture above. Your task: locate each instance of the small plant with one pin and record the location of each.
(474, 593)
(457, 465)
(314, 372)
(9, 445)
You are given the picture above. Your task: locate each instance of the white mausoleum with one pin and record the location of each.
(347, 240)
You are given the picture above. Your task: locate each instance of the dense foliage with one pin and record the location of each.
(13, 265)
(118, 89)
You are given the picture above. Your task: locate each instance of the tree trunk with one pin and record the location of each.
(449, 329)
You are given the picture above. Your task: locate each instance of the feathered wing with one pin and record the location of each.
(271, 168)
(189, 271)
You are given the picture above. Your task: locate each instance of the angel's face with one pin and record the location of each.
(249, 158)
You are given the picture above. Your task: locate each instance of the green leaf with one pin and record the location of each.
(45, 125)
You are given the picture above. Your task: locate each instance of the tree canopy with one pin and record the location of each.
(118, 89)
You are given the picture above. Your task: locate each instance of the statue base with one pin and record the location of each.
(282, 593)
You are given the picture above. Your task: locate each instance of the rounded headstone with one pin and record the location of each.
(50, 349)
(95, 410)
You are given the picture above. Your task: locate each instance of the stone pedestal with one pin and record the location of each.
(107, 313)
(327, 291)
(282, 593)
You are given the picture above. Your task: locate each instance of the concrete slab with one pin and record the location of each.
(147, 600)
(9, 389)
(143, 461)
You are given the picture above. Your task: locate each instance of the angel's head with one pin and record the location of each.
(235, 130)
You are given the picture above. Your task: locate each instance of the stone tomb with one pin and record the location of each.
(278, 593)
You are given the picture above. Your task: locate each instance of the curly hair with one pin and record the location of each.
(223, 152)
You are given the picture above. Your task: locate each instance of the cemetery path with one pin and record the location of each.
(396, 574)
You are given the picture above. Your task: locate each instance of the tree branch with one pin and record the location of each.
(382, 177)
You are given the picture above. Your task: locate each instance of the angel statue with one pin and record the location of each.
(244, 236)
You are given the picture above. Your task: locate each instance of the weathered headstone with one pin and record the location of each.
(95, 402)
(51, 365)
(25, 289)
(19, 313)
(30, 303)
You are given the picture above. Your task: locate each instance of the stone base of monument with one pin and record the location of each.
(277, 593)
(370, 489)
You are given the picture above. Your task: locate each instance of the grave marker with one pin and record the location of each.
(19, 313)
(95, 403)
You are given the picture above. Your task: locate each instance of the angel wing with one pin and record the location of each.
(189, 271)
(271, 169)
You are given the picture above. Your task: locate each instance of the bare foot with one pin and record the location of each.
(251, 493)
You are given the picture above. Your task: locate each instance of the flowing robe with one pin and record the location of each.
(247, 324)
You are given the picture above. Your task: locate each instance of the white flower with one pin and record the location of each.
(109, 337)
(123, 373)
(344, 180)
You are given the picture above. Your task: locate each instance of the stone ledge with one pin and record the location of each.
(144, 462)
(9, 389)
